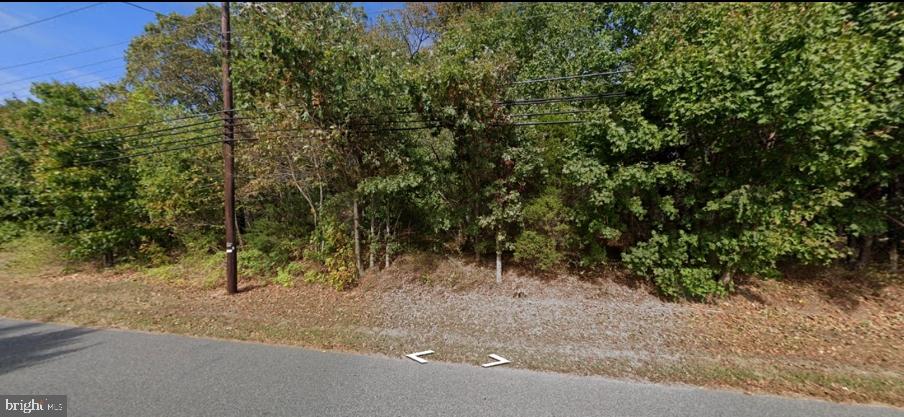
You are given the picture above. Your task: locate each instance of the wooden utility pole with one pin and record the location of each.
(229, 156)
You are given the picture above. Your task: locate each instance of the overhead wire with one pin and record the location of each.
(124, 138)
(92, 162)
(42, 20)
(178, 130)
(137, 6)
(546, 100)
(61, 71)
(170, 135)
(92, 49)
(156, 122)
(430, 124)
(130, 155)
(571, 77)
(106, 79)
(66, 55)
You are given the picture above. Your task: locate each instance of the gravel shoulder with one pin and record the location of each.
(826, 337)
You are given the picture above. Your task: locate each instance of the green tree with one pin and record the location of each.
(178, 59)
(777, 128)
(90, 206)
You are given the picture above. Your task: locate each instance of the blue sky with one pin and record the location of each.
(106, 24)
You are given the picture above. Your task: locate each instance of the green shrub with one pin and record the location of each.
(537, 250)
(193, 268)
(256, 262)
(286, 275)
(201, 242)
(276, 241)
(595, 255)
(676, 265)
(9, 231)
(152, 254)
(339, 274)
(330, 245)
(547, 235)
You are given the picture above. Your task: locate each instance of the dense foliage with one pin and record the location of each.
(721, 140)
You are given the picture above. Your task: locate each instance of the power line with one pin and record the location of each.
(511, 102)
(182, 60)
(287, 130)
(153, 152)
(552, 113)
(183, 140)
(167, 150)
(571, 77)
(169, 135)
(550, 122)
(150, 135)
(493, 19)
(108, 79)
(142, 8)
(83, 51)
(123, 139)
(156, 122)
(531, 101)
(177, 141)
(61, 71)
(515, 115)
(50, 17)
(175, 130)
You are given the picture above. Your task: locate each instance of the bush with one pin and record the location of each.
(201, 242)
(194, 268)
(676, 265)
(9, 231)
(152, 254)
(275, 241)
(547, 234)
(537, 250)
(258, 263)
(330, 245)
(285, 276)
(339, 274)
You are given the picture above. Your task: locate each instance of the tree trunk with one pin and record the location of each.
(108, 258)
(357, 234)
(726, 277)
(371, 240)
(893, 242)
(386, 246)
(866, 252)
(498, 261)
(247, 218)
(894, 237)
(238, 232)
(476, 238)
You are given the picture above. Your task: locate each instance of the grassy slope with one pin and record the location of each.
(777, 337)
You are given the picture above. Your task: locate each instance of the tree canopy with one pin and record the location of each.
(691, 143)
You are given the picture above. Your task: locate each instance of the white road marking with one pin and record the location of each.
(416, 356)
(499, 361)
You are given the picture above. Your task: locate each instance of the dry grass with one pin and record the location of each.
(837, 336)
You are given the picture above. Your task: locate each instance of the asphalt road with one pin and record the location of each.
(124, 373)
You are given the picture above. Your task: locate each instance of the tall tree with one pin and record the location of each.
(178, 59)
